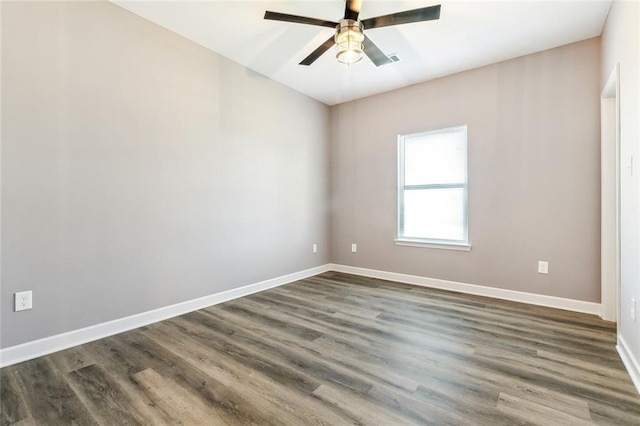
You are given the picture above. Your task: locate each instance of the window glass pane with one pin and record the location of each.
(434, 214)
(435, 158)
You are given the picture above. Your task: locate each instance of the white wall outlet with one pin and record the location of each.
(543, 267)
(23, 300)
(633, 309)
(314, 248)
(354, 248)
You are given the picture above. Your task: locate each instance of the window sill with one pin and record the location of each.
(424, 244)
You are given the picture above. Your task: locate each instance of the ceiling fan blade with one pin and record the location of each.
(417, 15)
(276, 16)
(374, 53)
(352, 9)
(318, 52)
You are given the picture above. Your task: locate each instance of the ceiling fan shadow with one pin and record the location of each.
(275, 48)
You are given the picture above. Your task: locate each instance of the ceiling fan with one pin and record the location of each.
(350, 37)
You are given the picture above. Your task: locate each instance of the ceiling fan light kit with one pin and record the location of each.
(350, 38)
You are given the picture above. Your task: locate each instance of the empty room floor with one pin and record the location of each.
(337, 349)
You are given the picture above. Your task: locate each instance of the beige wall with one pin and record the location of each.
(140, 170)
(621, 44)
(534, 184)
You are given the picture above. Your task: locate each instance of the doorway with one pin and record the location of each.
(610, 197)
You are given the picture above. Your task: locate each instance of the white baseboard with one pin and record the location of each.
(47, 345)
(497, 293)
(631, 364)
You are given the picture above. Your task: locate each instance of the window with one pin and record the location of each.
(432, 189)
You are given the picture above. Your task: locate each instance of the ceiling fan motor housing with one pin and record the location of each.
(349, 38)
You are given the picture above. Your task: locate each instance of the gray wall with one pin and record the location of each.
(534, 181)
(140, 170)
(621, 44)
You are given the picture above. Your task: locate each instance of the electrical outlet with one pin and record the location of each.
(23, 300)
(633, 309)
(314, 248)
(543, 267)
(354, 248)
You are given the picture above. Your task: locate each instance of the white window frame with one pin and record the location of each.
(432, 242)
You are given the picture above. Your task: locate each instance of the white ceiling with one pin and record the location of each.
(468, 35)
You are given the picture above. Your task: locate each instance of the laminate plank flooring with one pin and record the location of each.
(336, 349)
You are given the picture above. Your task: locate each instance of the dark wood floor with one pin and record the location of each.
(337, 349)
